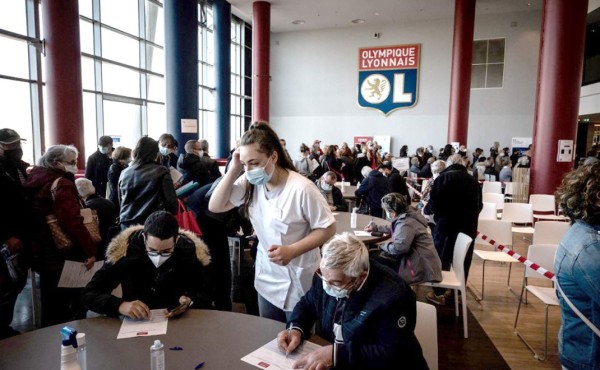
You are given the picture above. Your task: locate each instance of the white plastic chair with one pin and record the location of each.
(543, 255)
(455, 278)
(501, 232)
(426, 333)
(494, 198)
(549, 232)
(544, 207)
(488, 212)
(492, 187)
(509, 190)
(489, 177)
(519, 213)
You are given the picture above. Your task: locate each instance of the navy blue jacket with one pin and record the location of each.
(373, 188)
(378, 322)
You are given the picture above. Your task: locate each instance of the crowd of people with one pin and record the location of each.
(304, 272)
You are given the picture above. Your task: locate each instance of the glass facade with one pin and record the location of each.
(123, 71)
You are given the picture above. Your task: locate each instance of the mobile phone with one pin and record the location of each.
(181, 306)
(376, 233)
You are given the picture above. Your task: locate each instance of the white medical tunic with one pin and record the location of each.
(283, 218)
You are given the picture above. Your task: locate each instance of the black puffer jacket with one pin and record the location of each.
(193, 169)
(114, 172)
(144, 189)
(373, 188)
(127, 263)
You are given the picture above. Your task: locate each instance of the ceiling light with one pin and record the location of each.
(358, 21)
(377, 14)
(298, 21)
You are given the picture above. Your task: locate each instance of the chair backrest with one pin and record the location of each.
(488, 212)
(498, 230)
(543, 203)
(509, 188)
(489, 177)
(426, 333)
(543, 255)
(520, 213)
(492, 187)
(461, 246)
(494, 198)
(549, 232)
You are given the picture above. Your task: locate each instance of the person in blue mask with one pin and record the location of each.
(289, 215)
(365, 310)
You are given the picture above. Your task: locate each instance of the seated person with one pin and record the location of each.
(373, 187)
(411, 251)
(395, 180)
(190, 165)
(332, 194)
(158, 266)
(373, 308)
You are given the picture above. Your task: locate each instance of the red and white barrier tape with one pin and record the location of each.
(416, 191)
(532, 265)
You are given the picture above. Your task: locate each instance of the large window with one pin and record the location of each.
(488, 64)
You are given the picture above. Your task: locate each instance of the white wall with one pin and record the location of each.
(315, 77)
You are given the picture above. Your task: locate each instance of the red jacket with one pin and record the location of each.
(65, 207)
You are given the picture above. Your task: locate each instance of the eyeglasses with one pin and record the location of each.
(334, 285)
(164, 253)
(72, 163)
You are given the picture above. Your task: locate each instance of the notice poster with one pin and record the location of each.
(362, 140)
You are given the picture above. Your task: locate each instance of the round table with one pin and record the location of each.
(342, 223)
(219, 338)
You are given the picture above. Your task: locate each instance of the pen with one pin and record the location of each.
(287, 352)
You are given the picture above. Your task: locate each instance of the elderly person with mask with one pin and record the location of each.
(191, 166)
(51, 190)
(411, 251)
(333, 195)
(577, 268)
(365, 310)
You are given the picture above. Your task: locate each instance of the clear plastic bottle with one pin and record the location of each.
(343, 186)
(68, 358)
(81, 351)
(353, 217)
(157, 356)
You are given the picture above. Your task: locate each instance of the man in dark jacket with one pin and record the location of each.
(363, 308)
(211, 164)
(192, 167)
(456, 202)
(158, 266)
(333, 195)
(14, 221)
(373, 188)
(98, 163)
(396, 182)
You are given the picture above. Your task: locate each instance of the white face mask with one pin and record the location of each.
(389, 215)
(72, 169)
(104, 149)
(199, 153)
(158, 260)
(335, 292)
(163, 150)
(326, 187)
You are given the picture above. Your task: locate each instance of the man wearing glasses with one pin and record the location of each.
(158, 266)
(365, 309)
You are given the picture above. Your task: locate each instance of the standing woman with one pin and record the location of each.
(577, 268)
(146, 186)
(51, 190)
(121, 158)
(289, 215)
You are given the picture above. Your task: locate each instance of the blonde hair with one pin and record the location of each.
(347, 253)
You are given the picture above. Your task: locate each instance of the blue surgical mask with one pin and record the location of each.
(326, 187)
(335, 292)
(104, 149)
(163, 150)
(259, 176)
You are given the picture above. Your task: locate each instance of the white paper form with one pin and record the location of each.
(157, 325)
(76, 275)
(362, 233)
(269, 356)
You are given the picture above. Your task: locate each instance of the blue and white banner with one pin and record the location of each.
(388, 77)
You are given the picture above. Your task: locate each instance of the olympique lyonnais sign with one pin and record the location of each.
(388, 77)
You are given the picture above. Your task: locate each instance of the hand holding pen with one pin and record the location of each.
(288, 340)
(371, 226)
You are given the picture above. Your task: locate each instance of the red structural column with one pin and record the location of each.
(261, 39)
(562, 43)
(64, 120)
(460, 83)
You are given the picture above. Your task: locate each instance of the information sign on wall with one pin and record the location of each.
(388, 77)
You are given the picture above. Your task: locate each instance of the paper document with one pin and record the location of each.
(76, 275)
(269, 356)
(176, 176)
(362, 233)
(157, 325)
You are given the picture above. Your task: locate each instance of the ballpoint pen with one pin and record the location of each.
(287, 352)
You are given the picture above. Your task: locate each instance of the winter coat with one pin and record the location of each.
(96, 170)
(413, 248)
(373, 188)
(193, 169)
(127, 263)
(114, 172)
(66, 207)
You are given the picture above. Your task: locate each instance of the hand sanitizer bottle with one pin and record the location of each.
(353, 217)
(157, 356)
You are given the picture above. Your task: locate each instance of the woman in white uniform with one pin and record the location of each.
(289, 215)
